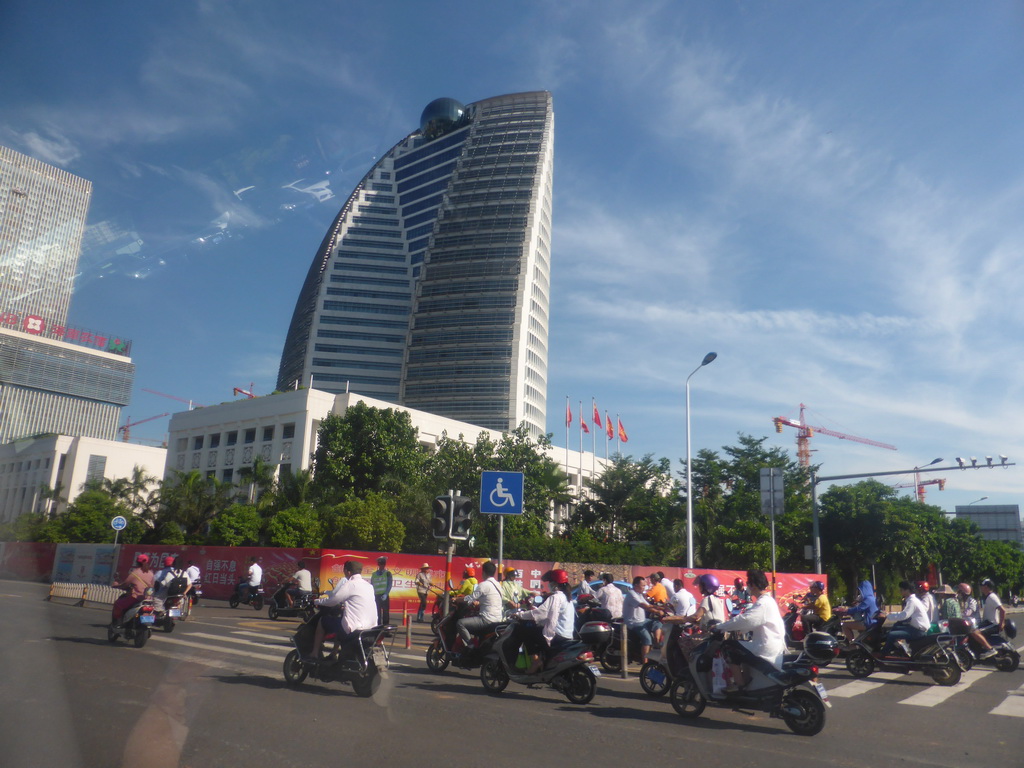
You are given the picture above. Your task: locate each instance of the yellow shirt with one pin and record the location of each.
(467, 587)
(822, 607)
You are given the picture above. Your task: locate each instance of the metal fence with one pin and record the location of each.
(84, 593)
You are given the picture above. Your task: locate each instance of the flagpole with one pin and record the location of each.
(593, 441)
(581, 444)
(568, 418)
(607, 425)
(618, 437)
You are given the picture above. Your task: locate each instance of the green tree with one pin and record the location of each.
(87, 520)
(369, 523)
(240, 525)
(367, 449)
(298, 526)
(190, 501)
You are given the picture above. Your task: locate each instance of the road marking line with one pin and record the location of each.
(214, 649)
(269, 639)
(1012, 705)
(857, 687)
(235, 640)
(939, 693)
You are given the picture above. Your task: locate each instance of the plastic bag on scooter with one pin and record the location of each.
(720, 674)
(522, 660)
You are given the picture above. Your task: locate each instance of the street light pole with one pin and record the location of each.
(977, 500)
(927, 468)
(708, 358)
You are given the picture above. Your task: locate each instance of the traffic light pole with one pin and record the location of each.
(449, 554)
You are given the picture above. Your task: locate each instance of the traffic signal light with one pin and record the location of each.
(441, 524)
(461, 512)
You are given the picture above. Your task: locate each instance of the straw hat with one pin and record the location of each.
(425, 567)
(945, 589)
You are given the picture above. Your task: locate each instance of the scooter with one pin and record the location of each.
(792, 693)
(252, 596)
(968, 650)
(170, 608)
(361, 659)
(610, 655)
(137, 622)
(447, 646)
(570, 671)
(303, 606)
(934, 654)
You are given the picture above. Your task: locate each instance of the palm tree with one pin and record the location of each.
(53, 497)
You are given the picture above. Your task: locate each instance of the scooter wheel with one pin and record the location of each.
(612, 662)
(860, 663)
(112, 636)
(654, 679)
(580, 685)
(966, 658)
(233, 601)
(366, 685)
(257, 602)
(294, 670)
(437, 657)
(493, 676)
(272, 612)
(804, 712)
(1007, 662)
(948, 674)
(686, 699)
(141, 636)
(168, 625)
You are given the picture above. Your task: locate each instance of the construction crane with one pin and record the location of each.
(920, 485)
(806, 431)
(191, 403)
(125, 428)
(247, 392)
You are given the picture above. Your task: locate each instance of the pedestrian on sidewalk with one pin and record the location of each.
(423, 585)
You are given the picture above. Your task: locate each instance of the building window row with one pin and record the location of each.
(440, 172)
(327, 333)
(422, 205)
(372, 309)
(429, 216)
(363, 322)
(447, 288)
(322, 362)
(371, 197)
(356, 294)
(355, 380)
(483, 319)
(374, 220)
(353, 242)
(363, 280)
(465, 304)
(424, 191)
(362, 256)
(460, 388)
(371, 268)
(432, 162)
(428, 149)
(378, 209)
(338, 349)
(442, 355)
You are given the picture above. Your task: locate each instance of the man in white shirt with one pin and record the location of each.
(911, 623)
(992, 612)
(488, 597)
(355, 595)
(682, 602)
(585, 588)
(302, 584)
(668, 584)
(764, 623)
(610, 596)
(253, 578)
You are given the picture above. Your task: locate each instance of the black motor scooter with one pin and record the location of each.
(969, 650)
(361, 659)
(447, 646)
(249, 595)
(934, 654)
(303, 606)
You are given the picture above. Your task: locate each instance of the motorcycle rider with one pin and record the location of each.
(555, 620)
(740, 593)
(585, 588)
(355, 595)
(947, 606)
(682, 602)
(910, 623)
(642, 618)
(512, 591)
(469, 582)
(138, 580)
(993, 613)
(656, 593)
(488, 598)
(252, 580)
(923, 591)
(610, 596)
(968, 605)
(862, 611)
(301, 584)
(710, 608)
(819, 610)
(767, 632)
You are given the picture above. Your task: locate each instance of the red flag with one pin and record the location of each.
(597, 417)
(608, 424)
(568, 415)
(583, 424)
(622, 432)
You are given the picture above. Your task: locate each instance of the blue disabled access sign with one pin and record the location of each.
(501, 493)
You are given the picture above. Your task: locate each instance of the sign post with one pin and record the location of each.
(118, 524)
(501, 493)
(773, 502)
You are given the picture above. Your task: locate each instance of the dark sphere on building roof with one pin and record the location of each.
(441, 114)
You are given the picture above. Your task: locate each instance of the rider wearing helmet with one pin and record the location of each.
(923, 591)
(555, 620)
(968, 605)
(469, 582)
(740, 593)
(819, 610)
(710, 608)
(862, 612)
(512, 591)
(138, 580)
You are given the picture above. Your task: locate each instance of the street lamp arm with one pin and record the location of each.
(826, 478)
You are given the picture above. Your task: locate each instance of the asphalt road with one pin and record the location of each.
(212, 694)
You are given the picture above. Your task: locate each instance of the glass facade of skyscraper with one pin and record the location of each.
(431, 288)
(53, 379)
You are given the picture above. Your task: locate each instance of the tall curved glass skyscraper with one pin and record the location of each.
(431, 288)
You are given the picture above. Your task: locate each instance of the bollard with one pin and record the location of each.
(408, 626)
(85, 593)
(625, 650)
(50, 596)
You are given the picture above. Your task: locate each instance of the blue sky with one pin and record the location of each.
(827, 195)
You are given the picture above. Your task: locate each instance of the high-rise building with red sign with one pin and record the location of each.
(432, 287)
(54, 378)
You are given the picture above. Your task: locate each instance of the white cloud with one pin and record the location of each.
(53, 147)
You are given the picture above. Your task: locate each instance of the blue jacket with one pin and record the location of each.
(866, 609)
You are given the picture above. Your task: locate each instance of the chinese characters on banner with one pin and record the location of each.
(38, 326)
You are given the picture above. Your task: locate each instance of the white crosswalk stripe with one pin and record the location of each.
(937, 694)
(857, 687)
(1012, 705)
